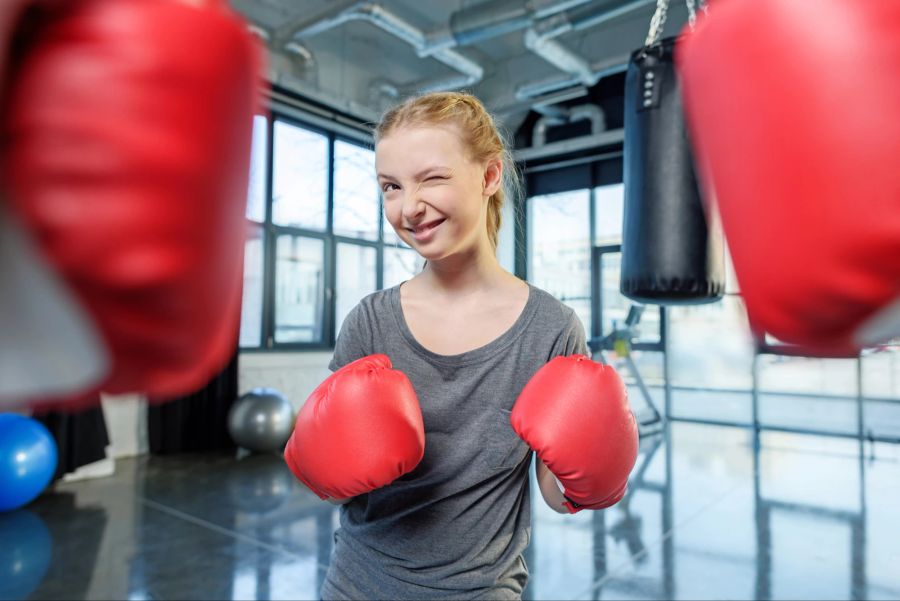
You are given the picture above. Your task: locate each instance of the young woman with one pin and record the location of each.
(469, 336)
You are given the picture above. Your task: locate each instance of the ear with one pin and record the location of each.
(493, 177)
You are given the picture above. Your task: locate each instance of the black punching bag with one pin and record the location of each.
(669, 254)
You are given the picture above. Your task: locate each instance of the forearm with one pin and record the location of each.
(553, 496)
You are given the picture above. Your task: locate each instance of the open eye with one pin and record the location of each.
(386, 187)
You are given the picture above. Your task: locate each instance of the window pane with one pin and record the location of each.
(881, 372)
(608, 204)
(559, 253)
(615, 305)
(251, 308)
(506, 242)
(400, 264)
(356, 276)
(881, 388)
(807, 375)
(300, 177)
(299, 289)
(710, 345)
(256, 187)
(356, 210)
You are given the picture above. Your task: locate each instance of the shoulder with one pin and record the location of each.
(557, 322)
(373, 305)
(553, 311)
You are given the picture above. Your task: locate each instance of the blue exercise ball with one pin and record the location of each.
(26, 549)
(27, 460)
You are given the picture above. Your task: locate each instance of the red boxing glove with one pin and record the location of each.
(574, 413)
(125, 158)
(794, 113)
(359, 430)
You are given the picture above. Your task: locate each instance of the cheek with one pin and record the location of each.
(392, 211)
(462, 203)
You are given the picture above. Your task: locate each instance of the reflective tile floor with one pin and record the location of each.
(707, 517)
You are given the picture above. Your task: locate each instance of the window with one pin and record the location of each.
(609, 202)
(559, 248)
(256, 188)
(356, 277)
(300, 177)
(356, 206)
(710, 345)
(299, 289)
(252, 304)
(400, 264)
(614, 307)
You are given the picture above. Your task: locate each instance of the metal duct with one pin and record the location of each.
(552, 84)
(384, 19)
(589, 112)
(492, 19)
(561, 57)
(540, 40)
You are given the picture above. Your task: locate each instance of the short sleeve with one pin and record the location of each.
(350, 344)
(572, 339)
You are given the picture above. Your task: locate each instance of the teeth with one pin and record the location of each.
(427, 227)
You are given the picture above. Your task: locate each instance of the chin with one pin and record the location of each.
(432, 255)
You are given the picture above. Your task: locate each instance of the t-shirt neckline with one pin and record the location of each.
(471, 356)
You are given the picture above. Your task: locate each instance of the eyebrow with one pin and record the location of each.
(420, 173)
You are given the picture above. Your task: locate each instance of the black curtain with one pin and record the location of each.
(81, 437)
(198, 421)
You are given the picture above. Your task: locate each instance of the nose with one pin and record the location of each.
(413, 207)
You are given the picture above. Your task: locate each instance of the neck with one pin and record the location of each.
(477, 271)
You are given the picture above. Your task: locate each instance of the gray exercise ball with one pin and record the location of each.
(261, 420)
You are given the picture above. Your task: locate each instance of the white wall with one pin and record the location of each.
(293, 374)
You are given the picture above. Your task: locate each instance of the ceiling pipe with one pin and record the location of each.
(492, 19)
(586, 17)
(374, 13)
(298, 54)
(589, 112)
(561, 57)
(533, 90)
(540, 39)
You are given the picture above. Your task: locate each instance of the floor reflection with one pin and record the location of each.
(712, 512)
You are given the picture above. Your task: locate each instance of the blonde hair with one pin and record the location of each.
(480, 137)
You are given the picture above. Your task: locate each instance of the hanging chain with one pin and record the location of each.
(692, 13)
(657, 22)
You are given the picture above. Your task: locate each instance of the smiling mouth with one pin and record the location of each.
(425, 227)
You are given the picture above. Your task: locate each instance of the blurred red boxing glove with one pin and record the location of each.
(124, 161)
(794, 113)
(359, 430)
(574, 413)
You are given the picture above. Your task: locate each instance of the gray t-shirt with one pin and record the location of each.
(456, 526)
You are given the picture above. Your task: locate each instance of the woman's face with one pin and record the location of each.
(435, 197)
